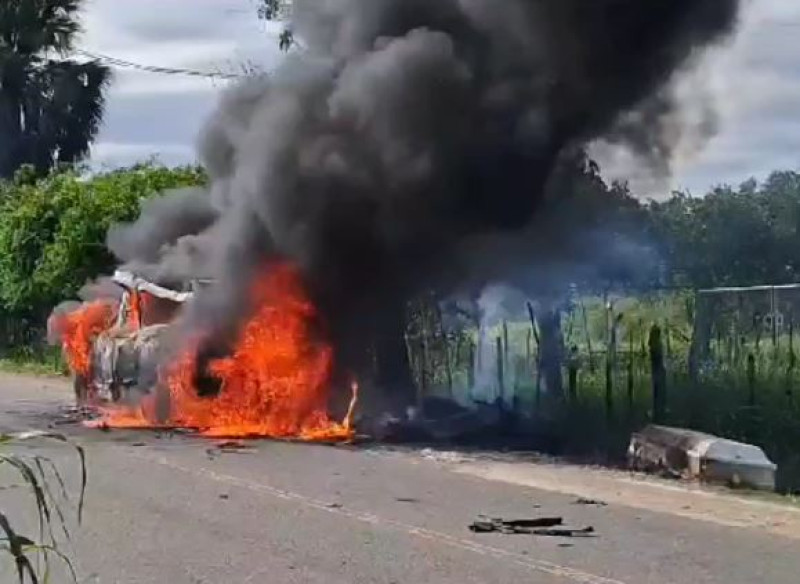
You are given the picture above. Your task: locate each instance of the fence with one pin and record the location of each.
(623, 362)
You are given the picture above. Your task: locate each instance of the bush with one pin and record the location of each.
(53, 230)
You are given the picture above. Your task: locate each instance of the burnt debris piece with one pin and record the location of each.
(435, 420)
(590, 502)
(542, 526)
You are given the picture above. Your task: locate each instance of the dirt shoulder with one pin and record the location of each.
(765, 513)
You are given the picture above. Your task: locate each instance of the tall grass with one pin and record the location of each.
(33, 554)
(35, 360)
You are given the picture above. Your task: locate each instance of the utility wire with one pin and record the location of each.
(115, 62)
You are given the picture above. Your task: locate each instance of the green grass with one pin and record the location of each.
(45, 361)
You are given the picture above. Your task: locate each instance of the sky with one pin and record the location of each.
(753, 83)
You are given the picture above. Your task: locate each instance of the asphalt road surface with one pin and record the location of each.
(173, 509)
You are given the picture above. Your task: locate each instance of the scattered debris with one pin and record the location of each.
(565, 532)
(443, 456)
(228, 447)
(186, 431)
(438, 419)
(543, 526)
(231, 445)
(590, 502)
(485, 525)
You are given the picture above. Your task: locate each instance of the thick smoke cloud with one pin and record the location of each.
(403, 129)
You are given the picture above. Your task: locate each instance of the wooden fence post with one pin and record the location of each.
(659, 374)
(538, 360)
(505, 343)
(609, 384)
(611, 360)
(500, 372)
(471, 365)
(507, 367)
(630, 372)
(588, 335)
(448, 366)
(444, 337)
(792, 360)
(423, 372)
(573, 374)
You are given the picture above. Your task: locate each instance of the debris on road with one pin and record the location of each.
(70, 416)
(590, 502)
(228, 447)
(231, 445)
(565, 532)
(543, 526)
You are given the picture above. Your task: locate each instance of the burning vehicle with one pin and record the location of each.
(123, 357)
(273, 382)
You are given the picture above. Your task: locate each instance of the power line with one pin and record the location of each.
(115, 62)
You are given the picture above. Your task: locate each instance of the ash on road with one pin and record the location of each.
(173, 509)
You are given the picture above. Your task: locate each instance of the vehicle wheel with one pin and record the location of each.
(80, 386)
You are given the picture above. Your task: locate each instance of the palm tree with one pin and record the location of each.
(50, 106)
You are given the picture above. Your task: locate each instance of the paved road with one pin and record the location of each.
(173, 510)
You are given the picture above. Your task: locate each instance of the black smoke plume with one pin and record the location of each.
(400, 131)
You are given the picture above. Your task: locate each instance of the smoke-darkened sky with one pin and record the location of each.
(755, 83)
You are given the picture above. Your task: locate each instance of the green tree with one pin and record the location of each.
(50, 106)
(53, 230)
(732, 236)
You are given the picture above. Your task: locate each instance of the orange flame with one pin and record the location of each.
(135, 311)
(78, 328)
(275, 383)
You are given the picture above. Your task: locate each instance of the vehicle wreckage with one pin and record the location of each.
(124, 357)
(124, 363)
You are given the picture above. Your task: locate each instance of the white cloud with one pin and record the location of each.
(754, 82)
(114, 154)
(149, 113)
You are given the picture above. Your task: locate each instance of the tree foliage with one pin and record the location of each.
(732, 236)
(53, 229)
(50, 106)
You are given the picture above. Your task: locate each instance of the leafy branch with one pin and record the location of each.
(32, 556)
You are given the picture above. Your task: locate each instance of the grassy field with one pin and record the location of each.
(44, 361)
